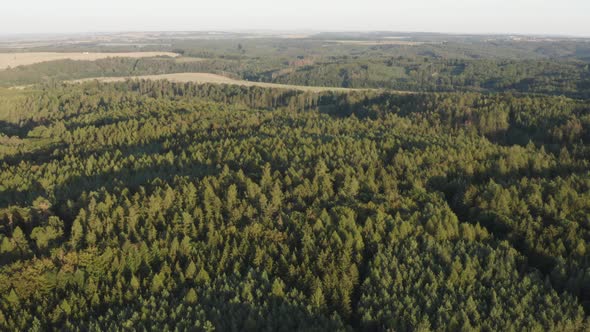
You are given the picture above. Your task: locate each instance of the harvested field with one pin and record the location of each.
(216, 79)
(188, 59)
(28, 58)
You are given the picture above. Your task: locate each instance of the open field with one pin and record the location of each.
(376, 42)
(187, 59)
(216, 79)
(28, 58)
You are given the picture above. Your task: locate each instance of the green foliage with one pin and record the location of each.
(442, 63)
(160, 206)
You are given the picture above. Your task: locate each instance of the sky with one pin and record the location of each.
(564, 17)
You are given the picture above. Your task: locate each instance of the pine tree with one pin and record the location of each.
(77, 233)
(278, 288)
(191, 296)
(20, 241)
(65, 306)
(317, 298)
(135, 284)
(191, 270)
(157, 282)
(6, 246)
(203, 277)
(12, 298)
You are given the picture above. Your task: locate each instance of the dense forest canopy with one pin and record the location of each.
(462, 204)
(154, 205)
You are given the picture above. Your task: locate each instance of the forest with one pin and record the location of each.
(416, 62)
(446, 188)
(151, 205)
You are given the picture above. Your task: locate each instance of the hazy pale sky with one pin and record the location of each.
(569, 17)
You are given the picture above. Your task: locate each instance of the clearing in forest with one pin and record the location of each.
(216, 79)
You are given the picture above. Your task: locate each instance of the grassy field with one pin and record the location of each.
(187, 59)
(28, 58)
(216, 79)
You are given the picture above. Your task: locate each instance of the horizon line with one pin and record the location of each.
(283, 31)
